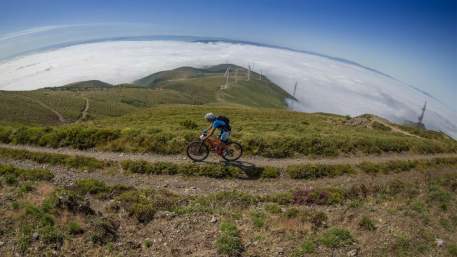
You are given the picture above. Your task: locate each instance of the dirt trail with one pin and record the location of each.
(195, 185)
(251, 160)
(393, 128)
(85, 112)
(47, 107)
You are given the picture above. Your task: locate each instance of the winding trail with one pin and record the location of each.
(47, 107)
(85, 111)
(252, 160)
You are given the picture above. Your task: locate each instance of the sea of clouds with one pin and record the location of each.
(324, 84)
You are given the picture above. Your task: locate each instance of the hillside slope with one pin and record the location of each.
(209, 85)
(184, 85)
(268, 132)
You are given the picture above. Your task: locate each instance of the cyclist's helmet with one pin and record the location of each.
(210, 117)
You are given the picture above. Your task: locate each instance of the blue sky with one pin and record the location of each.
(415, 41)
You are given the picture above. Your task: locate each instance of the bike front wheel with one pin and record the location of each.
(232, 151)
(197, 151)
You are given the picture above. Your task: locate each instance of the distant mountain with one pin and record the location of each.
(209, 85)
(184, 85)
(84, 85)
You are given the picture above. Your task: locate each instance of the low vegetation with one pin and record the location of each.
(308, 228)
(228, 241)
(71, 161)
(12, 174)
(159, 168)
(313, 171)
(275, 133)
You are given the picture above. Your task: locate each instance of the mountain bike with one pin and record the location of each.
(199, 150)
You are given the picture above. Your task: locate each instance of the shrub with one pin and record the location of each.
(27, 135)
(208, 170)
(26, 187)
(291, 213)
(400, 165)
(273, 208)
(270, 172)
(78, 162)
(279, 198)
(12, 173)
(318, 219)
(5, 134)
(336, 237)
(91, 186)
(51, 235)
(103, 231)
(229, 199)
(37, 219)
(308, 246)
(313, 171)
(228, 241)
(389, 166)
(69, 200)
(357, 191)
(143, 204)
(75, 136)
(367, 224)
(74, 228)
(370, 167)
(147, 243)
(11, 180)
(258, 218)
(417, 245)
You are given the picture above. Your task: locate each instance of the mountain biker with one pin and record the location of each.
(221, 123)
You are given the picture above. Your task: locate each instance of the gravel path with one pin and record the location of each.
(189, 185)
(249, 160)
(85, 112)
(203, 185)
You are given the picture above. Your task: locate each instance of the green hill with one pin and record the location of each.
(209, 85)
(84, 85)
(185, 85)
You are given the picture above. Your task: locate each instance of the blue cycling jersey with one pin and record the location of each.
(218, 124)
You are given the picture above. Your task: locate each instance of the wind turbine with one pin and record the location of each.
(421, 117)
(250, 67)
(236, 75)
(227, 77)
(293, 94)
(295, 88)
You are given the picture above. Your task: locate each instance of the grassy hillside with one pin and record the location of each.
(279, 133)
(204, 86)
(186, 85)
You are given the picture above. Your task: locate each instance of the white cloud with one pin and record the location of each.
(325, 85)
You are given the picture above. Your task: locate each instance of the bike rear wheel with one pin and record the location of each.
(232, 151)
(197, 151)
